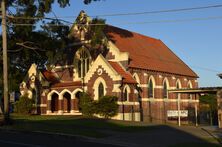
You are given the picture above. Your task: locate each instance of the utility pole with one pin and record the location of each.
(5, 63)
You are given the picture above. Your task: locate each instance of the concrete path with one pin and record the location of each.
(214, 131)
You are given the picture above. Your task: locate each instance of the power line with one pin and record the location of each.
(133, 23)
(58, 18)
(178, 20)
(206, 69)
(52, 25)
(39, 18)
(134, 13)
(163, 11)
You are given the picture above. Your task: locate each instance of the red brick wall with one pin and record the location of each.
(157, 109)
(159, 82)
(106, 77)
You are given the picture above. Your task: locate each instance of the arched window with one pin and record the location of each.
(83, 61)
(138, 86)
(189, 87)
(101, 90)
(136, 77)
(178, 87)
(125, 94)
(34, 96)
(150, 88)
(165, 95)
(79, 68)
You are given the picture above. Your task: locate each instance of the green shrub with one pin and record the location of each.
(86, 104)
(106, 106)
(24, 105)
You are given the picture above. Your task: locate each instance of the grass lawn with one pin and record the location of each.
(75, 125)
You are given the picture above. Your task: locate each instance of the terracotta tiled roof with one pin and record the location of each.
(67, 84)
(50, 76)
(147, 53)
(65, 74)
(126, 75)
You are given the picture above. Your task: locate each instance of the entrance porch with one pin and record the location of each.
(63, 103)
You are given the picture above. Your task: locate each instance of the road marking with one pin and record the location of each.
(18, 143)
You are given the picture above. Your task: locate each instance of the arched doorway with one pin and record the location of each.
(67, 102)
(54, 102)
(77, 96)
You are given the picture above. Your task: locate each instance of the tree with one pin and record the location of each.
(34, 42)
(25, 105)
(31, 43)
(89, 1)
(210, 101)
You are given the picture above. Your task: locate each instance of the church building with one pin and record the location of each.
(138, 69)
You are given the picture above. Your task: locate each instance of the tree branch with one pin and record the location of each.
(25, 46)
(29, 47)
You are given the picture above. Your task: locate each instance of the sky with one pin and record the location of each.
(197, 43)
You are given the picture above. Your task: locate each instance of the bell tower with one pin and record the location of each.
(80, 28)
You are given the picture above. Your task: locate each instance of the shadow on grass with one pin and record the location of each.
(130, 132)
(75, 125)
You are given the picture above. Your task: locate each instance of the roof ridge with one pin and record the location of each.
(179, 58)
(132, 32)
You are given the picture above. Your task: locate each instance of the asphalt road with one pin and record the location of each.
(20, 139)
(158, 136)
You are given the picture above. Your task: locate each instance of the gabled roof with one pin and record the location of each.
(101, 61)
(127, 77)
(147, 53)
